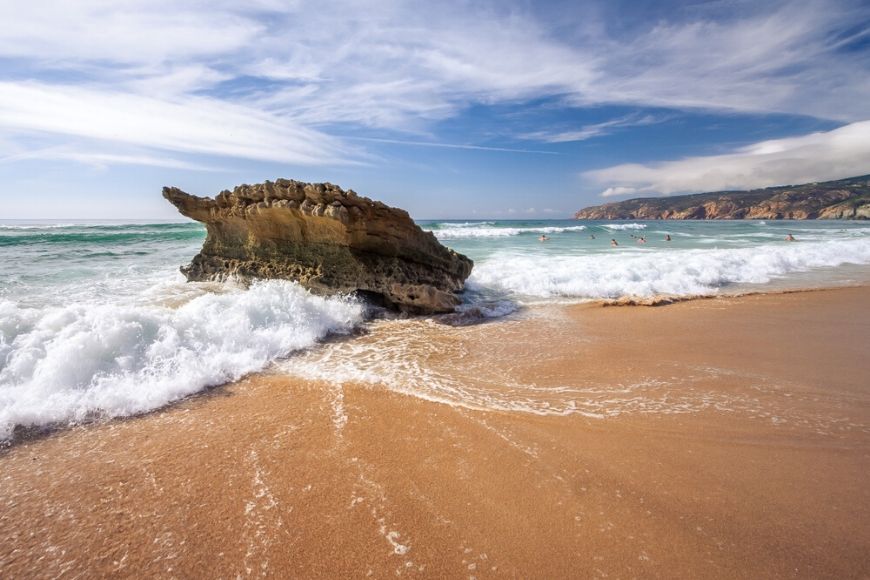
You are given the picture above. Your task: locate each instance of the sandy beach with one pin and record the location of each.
(720, 438)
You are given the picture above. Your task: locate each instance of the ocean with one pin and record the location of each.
(96, 321)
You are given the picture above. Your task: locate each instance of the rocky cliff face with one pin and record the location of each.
(842, 199)
(327, 239)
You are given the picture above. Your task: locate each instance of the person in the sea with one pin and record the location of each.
(667, 237)
(613, 242)
(543, 238)
(641, 240)
(790, 238)
(591, 236)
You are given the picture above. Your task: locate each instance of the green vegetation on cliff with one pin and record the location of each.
(841, 199)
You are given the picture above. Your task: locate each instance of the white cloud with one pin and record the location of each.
(192, 125)
(122, 31)
(616, 191)
(774, 57)
(594, 130)
(169, 81)
(102, 159)
(136, 71)
(843, 152)
(452, 145)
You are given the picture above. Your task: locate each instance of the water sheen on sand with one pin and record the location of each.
(427, 451)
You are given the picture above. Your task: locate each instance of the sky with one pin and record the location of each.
(503, 109)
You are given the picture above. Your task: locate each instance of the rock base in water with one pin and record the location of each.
(327, 239)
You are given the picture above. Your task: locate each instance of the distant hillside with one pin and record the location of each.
(841, 199)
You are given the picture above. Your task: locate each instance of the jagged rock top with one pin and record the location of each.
(326, 238)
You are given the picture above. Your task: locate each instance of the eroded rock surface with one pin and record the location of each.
(327, 239)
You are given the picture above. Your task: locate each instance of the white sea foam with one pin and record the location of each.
(67, 363)
(651, 273)
(624, 226)
(490, 232)
(35, 226)
(463, 224)
(423, 359)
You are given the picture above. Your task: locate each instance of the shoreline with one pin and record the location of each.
(739, 453)
(37, 432)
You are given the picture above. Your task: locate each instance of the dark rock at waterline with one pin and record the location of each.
(327, 239)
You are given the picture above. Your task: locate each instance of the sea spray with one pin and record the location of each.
(67, 363)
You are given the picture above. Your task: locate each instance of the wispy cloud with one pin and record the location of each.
(102, 159)
(593, 130)
(278, 81)
(128, 32)
(453, 145)
(843, 152)
(191, 125)
(617, 191)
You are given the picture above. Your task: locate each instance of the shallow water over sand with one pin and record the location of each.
(277, 475)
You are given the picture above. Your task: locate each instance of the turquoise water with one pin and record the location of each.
(578, 260)
(96, 320)
(38, 260)
(85, 260)
(482, 239)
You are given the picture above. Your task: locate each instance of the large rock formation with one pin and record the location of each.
(327, 239)
(842, 199)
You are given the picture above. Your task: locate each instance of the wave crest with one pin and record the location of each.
(647, 274)
(624, 226)
(66, 364)
(494, 232)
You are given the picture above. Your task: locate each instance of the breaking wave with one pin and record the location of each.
(467, 231)
(692, 272)
(624, 226)
(71, 363)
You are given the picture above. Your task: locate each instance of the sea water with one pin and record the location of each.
(97, 321)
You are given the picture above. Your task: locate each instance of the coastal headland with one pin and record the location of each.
(722, 438)
(828, 200)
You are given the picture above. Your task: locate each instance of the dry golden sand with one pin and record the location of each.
(724, 438)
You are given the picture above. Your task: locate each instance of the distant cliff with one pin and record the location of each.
(842, 199)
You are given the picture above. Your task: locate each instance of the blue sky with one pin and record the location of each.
(448, 109)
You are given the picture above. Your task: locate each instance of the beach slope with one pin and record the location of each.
(721, 438)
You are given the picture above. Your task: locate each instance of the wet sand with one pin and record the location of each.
(725, 438)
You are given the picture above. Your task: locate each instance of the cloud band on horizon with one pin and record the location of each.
(822, 156)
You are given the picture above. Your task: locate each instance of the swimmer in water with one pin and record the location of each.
(641, 240)
(667, 237)
(591, 236)
(613, 242)
(543, 238)
(790, 238)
